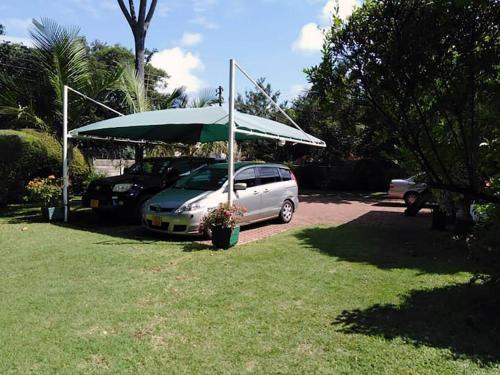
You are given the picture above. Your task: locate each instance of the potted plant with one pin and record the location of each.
(48, 192)
(222, 222)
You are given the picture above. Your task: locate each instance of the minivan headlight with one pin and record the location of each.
(122, 188)
(188, 207)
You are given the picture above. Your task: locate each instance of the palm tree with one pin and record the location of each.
(62, 56)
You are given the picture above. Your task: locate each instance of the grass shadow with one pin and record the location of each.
(389, 240)
(463, 318)
(197, 246)
(121, 227)
(21, 214)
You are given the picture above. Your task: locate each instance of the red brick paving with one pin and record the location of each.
(335, 209)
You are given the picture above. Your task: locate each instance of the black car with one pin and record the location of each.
(128, 192)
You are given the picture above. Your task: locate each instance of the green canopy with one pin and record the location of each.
(192, 125)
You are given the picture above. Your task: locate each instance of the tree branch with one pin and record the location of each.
(151, 11)
(126, 13)
(132, 10)
(142, 11)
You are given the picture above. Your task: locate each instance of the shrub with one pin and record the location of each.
(27, 154)
(91, 177)
(484, 240)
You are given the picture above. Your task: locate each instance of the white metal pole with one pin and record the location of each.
(65, 153)
(230, 161)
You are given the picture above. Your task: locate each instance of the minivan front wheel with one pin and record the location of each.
(286, 212)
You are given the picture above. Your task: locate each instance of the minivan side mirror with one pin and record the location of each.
(240, 186)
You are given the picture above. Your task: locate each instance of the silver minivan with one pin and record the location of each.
(267, 191)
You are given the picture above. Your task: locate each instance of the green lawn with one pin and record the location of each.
(350, 299)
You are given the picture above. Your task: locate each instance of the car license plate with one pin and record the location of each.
(156, 221)
(94, 203)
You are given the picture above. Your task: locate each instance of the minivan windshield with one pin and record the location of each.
(205, 178)
(151, 167)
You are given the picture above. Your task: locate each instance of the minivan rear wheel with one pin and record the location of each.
(286, 212)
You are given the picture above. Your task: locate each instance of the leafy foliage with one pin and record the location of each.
(484, 241)
(134, 91)
(59, 58)
(63, 55)
(429, 73)
(27, 154)
(254, 102)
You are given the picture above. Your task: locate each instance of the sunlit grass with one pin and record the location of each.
(111, 301)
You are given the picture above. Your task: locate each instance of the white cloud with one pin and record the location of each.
(191, 39)
(345, 8)
(312, 34)
(181, 66)
(310, 39)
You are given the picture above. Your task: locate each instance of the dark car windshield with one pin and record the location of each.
(150, 167)
(205, 178)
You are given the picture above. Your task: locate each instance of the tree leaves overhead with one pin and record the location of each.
(133, 88)
(427, 71)
(63, 54)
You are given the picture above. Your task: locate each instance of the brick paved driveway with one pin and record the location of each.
(315, 209)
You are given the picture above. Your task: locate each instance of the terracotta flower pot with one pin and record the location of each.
(224, 238)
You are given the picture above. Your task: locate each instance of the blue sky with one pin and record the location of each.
(276, 39)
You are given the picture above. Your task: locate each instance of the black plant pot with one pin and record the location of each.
(224, 238)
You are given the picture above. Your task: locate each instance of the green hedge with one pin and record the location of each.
(26, 154)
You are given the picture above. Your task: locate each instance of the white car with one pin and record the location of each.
(408, 189)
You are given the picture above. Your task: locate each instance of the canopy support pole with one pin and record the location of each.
(65, 153)
(230, 162)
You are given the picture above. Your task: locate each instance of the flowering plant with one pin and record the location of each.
(224, 216)
(47, 191)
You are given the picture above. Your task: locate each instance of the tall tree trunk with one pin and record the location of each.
(140, 56)
(139, 24)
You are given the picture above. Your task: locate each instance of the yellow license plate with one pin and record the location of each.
(156, 221)
(94, 203)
